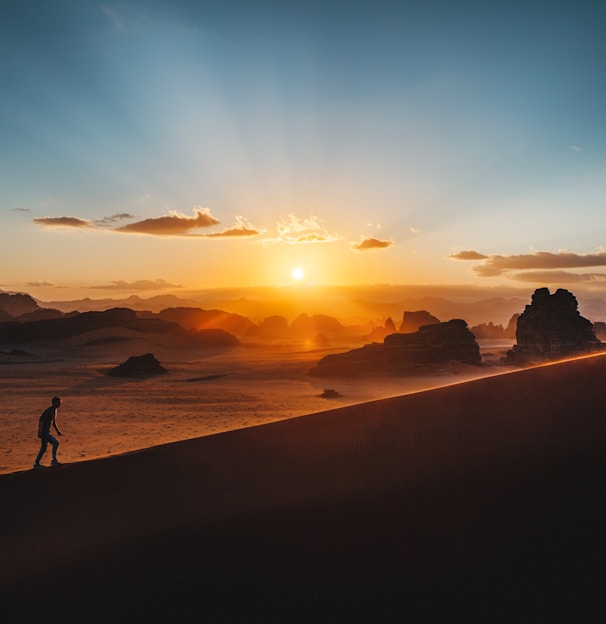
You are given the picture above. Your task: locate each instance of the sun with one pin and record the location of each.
(297, 274)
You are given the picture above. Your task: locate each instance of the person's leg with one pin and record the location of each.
(55, 443)
(43, 447)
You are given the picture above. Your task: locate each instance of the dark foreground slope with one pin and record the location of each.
(482, 501)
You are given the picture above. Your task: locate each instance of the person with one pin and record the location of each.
(48, 419)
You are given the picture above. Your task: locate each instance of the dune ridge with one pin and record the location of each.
(483, 498)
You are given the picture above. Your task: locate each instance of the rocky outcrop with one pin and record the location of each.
(81, 323)
(401, 354)
(551, 328)
(378, 333)
(16, 304)
(199, 319)
(23, 308)
(138, 366)
(42, 314)
(308, 327)
(413, 321)
(490, 331)
(329, 393)
(273, 327)
(390, 326)
(65, 327)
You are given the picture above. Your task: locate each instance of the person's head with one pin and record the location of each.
(56, 402)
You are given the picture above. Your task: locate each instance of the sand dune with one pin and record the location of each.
(482, 500)
(233, 388)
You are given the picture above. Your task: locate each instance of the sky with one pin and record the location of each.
(166, 146)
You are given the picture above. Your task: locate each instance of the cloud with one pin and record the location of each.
(414, 230)
(113, 16)
(158, 284)
(175, 224)
(557, 277)
(367, 244)
(575, 148)
(19, 209)
(72, 222)
(39, 284)
(294, 230)
(469, 254)
(497, 265)
(242, 228)
(539, 266)
(109, 221)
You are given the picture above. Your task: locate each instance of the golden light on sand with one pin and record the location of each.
(298, 274)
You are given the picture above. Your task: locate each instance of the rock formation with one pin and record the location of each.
(390, 326)
(401, 354)
(551, 328)
(379, 333)
(273, 327)
(16, 304)
(138, 366)
(490, 331)
(329, 393)
(166, 332)
(307, 327)
(199, 319)
(413, 321)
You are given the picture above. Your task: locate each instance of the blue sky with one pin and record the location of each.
(180, 145)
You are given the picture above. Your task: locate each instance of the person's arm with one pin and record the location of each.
(55, 426)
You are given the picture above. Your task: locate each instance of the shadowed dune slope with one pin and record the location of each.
(484, 498)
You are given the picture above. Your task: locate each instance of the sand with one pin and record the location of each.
(482, 500)
(205, 392)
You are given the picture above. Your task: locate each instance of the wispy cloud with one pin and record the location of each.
(492, 266)
(18, 209)
(575, 148)
(558, 277)
(496, 265)
(39, 284)
(414, 230)
(175, 224)
(115, 18)
(368, 244)
(72, 222)
(158, 284)
(294, 230)
(115, 218)
(242, 228)
(468, 255)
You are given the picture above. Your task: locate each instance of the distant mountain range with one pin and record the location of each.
(349, 305)
(257, 312)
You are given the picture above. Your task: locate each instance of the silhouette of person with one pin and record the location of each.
(48, 419)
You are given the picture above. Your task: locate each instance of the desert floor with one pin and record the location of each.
(203, 393)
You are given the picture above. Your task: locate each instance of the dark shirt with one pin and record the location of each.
(48, 415)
